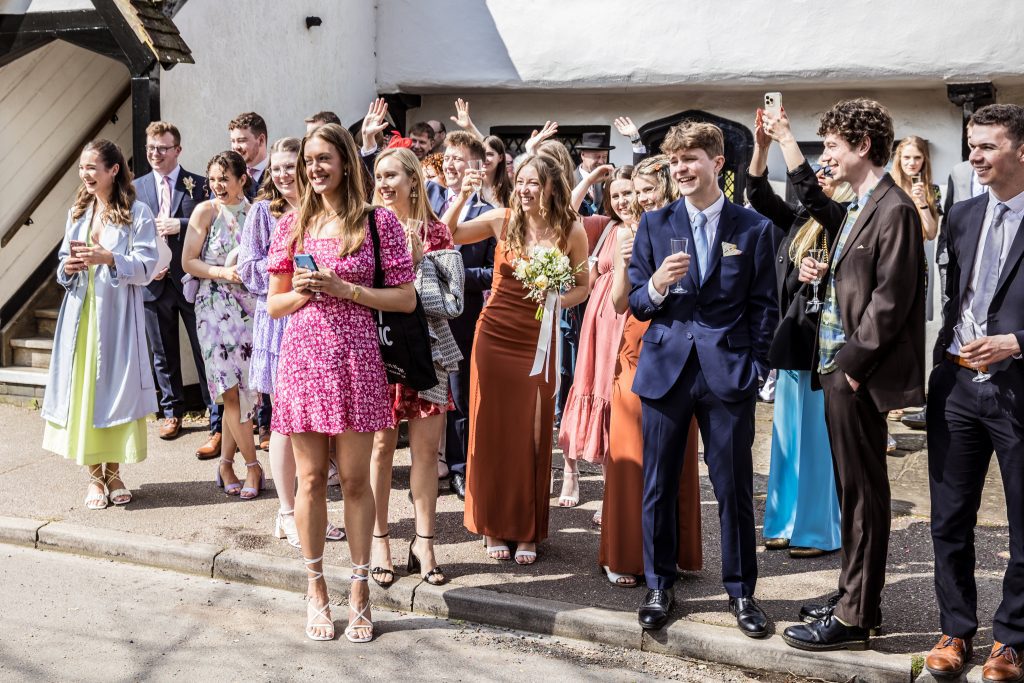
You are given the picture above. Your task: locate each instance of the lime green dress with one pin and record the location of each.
(80, 440)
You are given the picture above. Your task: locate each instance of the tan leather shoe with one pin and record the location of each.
(170, 428)
(210, 449)
(1003, 664)
(949, 657)
(264, 438)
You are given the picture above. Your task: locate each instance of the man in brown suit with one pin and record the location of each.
(869, 360)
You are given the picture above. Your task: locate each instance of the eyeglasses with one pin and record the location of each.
(152, 149)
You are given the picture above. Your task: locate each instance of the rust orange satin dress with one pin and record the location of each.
(508, 473)
(621, 533)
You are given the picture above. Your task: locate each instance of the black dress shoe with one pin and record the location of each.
(812, 612)
(458, 484)
(915, 420)
(654, 612)
(750, 617)
(826, 634)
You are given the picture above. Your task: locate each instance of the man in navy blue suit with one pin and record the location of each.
(172, 193)
(702, 356)
(478, 260)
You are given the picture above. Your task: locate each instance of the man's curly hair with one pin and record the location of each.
(854, 120)
(1010, 116)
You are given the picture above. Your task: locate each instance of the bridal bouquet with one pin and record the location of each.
(546, 271)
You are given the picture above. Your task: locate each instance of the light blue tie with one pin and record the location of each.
(988, 268)
(700, 243)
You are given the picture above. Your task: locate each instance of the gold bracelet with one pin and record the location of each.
(356, 291)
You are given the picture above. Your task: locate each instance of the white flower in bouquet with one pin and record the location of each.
(545, 270)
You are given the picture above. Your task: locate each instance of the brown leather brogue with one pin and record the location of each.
(1003, 664)
(949, 657)
(210, 449)
(170, 428)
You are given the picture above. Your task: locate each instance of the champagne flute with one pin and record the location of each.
(965, 334)
(477, 165)
(814, 305)
(678, 246)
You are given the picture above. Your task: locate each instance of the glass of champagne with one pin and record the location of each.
(678, 246)
(477, 166)
(814, 305)
(965, 334)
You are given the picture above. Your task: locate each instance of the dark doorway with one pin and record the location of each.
(739, 146)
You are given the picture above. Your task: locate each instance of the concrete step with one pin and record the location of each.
(32, 351)
(46, 321)
(22, 385)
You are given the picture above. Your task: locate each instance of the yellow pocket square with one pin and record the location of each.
(729, 249)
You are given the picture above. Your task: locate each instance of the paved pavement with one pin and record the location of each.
(176, 499)
(69, 618)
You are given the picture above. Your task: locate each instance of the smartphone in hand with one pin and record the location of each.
(306, 261)
(773, 103)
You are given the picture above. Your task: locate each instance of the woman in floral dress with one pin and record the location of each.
(224, 315)
(331, 382)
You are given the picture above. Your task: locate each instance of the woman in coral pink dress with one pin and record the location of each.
(584, 430)
(331, 382)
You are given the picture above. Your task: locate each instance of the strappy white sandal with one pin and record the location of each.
(573, 499)
(94, 500)
(530, 555)
(353, 624)
(123, 493)
(325, 611)
(334, 533)
(284, 527)
(620, 580)
(230, 489)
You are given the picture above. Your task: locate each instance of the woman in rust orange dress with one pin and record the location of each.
(621, 551)
(511, 413)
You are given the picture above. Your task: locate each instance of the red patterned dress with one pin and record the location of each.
(406, 402)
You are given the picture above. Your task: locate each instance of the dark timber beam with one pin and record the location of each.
(970, 97)
(145, 110)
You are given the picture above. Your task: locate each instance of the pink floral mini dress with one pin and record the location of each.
(330, 377)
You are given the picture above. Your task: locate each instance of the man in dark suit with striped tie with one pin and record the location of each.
(172, 193)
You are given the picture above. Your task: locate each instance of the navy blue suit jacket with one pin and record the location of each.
(729, 320)
(478, 260)
(183, 203)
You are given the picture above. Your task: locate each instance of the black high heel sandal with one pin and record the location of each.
(389, 574)
(414, 565)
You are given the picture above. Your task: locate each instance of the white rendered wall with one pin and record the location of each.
(646, 44)
(259, 56)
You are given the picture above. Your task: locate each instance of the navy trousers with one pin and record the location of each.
(162, 333)
(967, 421)
(727, 430)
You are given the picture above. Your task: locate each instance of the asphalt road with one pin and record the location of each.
(71, 618)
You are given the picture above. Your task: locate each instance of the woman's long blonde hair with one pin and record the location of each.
(555, 205)
(810, 235)
(354, 208)
(419, 206)
(119, 210)
(905, 182)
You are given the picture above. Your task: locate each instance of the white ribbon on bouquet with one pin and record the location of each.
(542, 358)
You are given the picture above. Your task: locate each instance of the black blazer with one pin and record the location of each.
(1006, 311)
(792, 345)
(183, 202)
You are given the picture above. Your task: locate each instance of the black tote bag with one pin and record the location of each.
(404, 338)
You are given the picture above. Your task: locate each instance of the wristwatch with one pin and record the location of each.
(356, 291)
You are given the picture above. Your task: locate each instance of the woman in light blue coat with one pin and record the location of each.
(100, 388)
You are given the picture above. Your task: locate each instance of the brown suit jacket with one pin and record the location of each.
(880, 286)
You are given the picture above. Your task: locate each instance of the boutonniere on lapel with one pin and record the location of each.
(729, 249)
(189, 185)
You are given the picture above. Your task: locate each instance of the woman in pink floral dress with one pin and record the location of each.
(331, 382)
